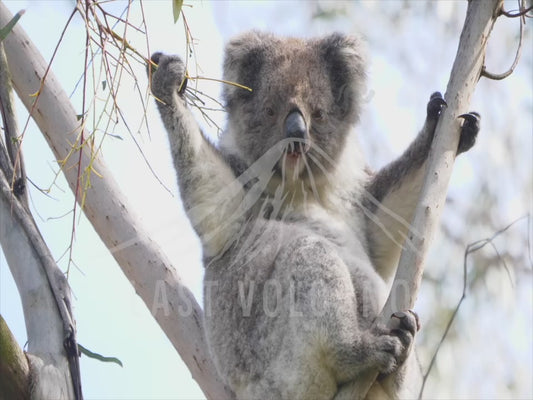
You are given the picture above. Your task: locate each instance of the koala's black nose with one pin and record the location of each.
(295, 127)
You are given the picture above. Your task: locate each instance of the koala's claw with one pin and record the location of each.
(469, 131)
(435, 105)
(406, 320)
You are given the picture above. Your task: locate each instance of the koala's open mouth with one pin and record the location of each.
(294, 159)
(297, 148)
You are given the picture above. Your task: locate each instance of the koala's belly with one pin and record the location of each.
(269, 300)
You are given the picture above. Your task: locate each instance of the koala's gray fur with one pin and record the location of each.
(300, 240)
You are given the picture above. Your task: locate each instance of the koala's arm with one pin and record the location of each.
(393, 192)
(209, 190)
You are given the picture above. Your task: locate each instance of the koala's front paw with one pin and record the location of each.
(405, 325)
(435, 106)
(469, 131)
(168, 76)
(397, 340)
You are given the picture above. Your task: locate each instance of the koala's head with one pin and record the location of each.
(306, 95)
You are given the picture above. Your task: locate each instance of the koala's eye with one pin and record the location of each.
(269, 111)
(318, 115)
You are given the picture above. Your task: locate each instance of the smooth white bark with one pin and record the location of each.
(464, 76)
(141, 260)
(44, 326)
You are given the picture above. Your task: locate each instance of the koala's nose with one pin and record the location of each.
(295, 127)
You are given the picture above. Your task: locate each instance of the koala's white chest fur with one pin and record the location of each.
(346, 235)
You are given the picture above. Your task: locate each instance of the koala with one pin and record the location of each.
(300, 239)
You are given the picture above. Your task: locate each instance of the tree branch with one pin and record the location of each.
(497, 77)
(480, 18)
(12, 143)
(141, 260)
(44, 291)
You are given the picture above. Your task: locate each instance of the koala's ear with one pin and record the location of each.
(345, 59)
(245, 55)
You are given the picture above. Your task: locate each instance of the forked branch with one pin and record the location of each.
(106, 207)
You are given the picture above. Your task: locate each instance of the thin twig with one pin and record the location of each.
(505, 74)
(470, 248)
(514, 14)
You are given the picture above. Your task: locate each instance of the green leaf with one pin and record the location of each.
(176, 9)
(114, 136)
(9, 27)
(100, 357)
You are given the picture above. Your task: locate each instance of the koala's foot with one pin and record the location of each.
(435, 106)
(469, 131)
(168, 76)
(400, 331)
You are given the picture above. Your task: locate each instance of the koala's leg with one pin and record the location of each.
(393, 193)
(211, 195)
(404, 326)
(321, 325)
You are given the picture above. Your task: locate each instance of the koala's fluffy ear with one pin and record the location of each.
(344, 57)
(244, 57)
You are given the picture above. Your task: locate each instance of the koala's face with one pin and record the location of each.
(305, 97)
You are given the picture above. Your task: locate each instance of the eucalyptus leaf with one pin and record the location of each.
(97, 356)
(176, 9)
(9, 27)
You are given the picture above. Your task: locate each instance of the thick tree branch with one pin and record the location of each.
(12, 144)
(480, 18)
(141, 260)
(43, 288)
(31, 267)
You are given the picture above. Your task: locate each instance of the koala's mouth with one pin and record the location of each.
(293, 156)
(297, 148)
(294, 160)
